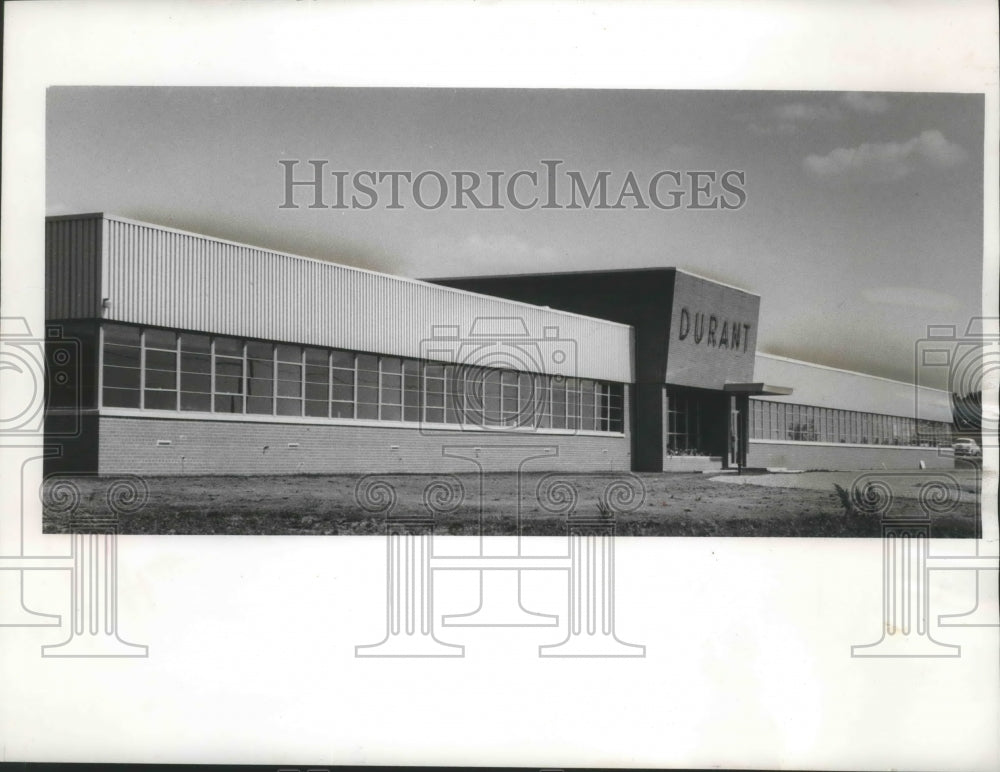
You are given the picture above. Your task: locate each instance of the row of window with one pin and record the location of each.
(165, 370)
(783, 421)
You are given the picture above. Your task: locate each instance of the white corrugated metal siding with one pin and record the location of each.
(821, 386)
(159, 276)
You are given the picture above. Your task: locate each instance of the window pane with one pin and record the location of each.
(230, 367)
(289, 389)
(288, 372)
(491, 397)
(411, 390)
(367, 395)
(343, 393)
(452, 397)
(289, 406)
(229, 346)
(367, 410)
(202, 402)
(543, 417)
(392, 396)
(161, 360)
(434, 387)
(116, 333)
(587, 405)
(159, 379)
(342, 409)
(260, 388)
(227, 384)
(121, 397)
(391, 413)
(317, 408)
(160, 400)
(558, 403)
(318, 356)
(225, 403)
(572, 404)
(317, 391)
(121, 377)
(161, 339)
(195, 344)
(367, 362)
(289, 380)
(259, 350)
(343, 359)
(471, 390)
(122, 356)
(196, 363)
(260, 405)
(260, 368)
(391, 365)
(317, 374)
(289, 353)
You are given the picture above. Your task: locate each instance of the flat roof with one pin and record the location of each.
(397, 277)
(594, 272)
(847, 372)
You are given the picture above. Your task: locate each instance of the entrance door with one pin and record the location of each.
(739, 427)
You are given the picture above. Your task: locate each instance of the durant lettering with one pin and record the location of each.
(713, 331)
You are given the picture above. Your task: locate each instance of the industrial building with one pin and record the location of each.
(186, 354)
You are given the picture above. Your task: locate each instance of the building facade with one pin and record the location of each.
(186, 354)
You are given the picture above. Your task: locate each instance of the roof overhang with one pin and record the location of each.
(757, 389)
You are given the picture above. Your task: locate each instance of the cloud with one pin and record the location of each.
(886, 161)
(790, 117)
(801, 112)
(861, 102)
(910, 297)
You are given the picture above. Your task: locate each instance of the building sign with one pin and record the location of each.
(712, 338)
(714, 330)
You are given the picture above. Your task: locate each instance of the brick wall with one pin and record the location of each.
(844, 457)
(135, 445)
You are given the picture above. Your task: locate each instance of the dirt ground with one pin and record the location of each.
(663, 504)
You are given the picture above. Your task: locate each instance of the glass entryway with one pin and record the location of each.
(696, 422)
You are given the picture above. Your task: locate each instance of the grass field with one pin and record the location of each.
(672, 505)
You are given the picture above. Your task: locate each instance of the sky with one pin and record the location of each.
(862, 220)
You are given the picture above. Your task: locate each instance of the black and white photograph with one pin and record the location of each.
(500, 385)
(721, 302)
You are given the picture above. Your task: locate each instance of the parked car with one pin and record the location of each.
(967, 447)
